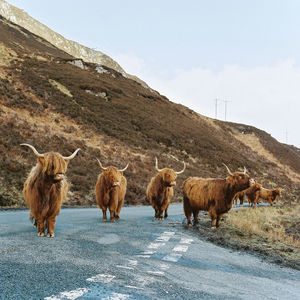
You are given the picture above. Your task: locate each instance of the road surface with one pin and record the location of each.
(134, 258)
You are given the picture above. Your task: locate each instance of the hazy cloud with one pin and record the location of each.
(266, 97)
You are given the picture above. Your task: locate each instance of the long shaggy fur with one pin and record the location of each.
(160, 192)
(251, 193)
(269, 195)
(43, 193)
(214, 195)
(109, 196)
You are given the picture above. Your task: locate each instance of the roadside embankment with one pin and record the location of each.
(273, 233)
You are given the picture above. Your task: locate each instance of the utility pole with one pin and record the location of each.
(226, 101)
(216, 107)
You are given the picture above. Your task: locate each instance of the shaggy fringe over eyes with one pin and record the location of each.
(54, 163)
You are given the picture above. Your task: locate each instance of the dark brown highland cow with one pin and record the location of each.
(110, 191)
(160, 190)
(269, 195)
(213, 195)
(45, 189)
(252, 194)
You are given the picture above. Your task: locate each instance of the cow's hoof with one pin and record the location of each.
(161, 218)
(190, 224)
(41, 234)
(49, 235)
(104, 220)
(213, 227)
(155, 218)
(112, 220)
(117, 217)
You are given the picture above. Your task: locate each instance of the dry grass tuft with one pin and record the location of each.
(272, 223)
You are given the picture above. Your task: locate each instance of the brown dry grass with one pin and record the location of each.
(272, 223)
(253, 141)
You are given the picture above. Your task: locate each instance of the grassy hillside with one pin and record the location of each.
(55, 102)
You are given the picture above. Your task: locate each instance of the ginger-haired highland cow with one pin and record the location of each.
(160, 190)
(45, 189)
(214, 195)
(110, 191)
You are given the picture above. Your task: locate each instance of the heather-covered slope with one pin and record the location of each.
(56, 102)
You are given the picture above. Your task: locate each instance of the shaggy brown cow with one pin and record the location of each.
(251, 193)
(110, 191)
(269, 195)
(160, 190)
(214, 195)
(45, 188)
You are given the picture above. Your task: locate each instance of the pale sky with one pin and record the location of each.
(246, 52)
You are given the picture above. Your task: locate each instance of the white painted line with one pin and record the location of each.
(143, 256)
(169, 233)
(124, 267)
(163, 238)
(155, 245)
(181, 248)
(72, 295)
(174, 257)
(185, 241)
(132, 262)
(133, 287)
(105, 278)
(164, 267)
(116, 296)
(158, 273)
(149, 252)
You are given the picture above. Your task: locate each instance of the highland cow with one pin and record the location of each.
(110, 191)
(214, 195)
(160, 190)
(269, 195)
(46, 188)
(251, 193)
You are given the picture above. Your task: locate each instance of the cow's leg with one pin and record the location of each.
(40, 225)
(156, 215)
(50, 226)
(195, 214)
(187, 210)
(166, 212)
(219, 217)
(160, 213)
(104, 218)
(213, 215)
(118, 211)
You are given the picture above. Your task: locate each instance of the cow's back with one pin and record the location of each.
(203, 192)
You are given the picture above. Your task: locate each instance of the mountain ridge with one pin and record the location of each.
(56, 102)
(23, 19)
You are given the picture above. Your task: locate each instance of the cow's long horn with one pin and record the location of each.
(34, 150)
(71, 156)
(101, 165)
(228, 169)
(184, 165)
(124, 168)
(245, 170)
(156, 165)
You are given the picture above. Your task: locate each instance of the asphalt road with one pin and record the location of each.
(134, 258)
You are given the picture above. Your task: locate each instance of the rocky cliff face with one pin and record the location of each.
(20, 17)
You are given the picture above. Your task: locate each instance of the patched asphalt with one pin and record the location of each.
(134, 258)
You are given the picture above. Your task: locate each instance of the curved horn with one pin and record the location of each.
(101, 165)
(124, 168)
(245, 170)
(184, 165)
(228, 169)
(71, 156)
(34, 150)
(156, 165)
